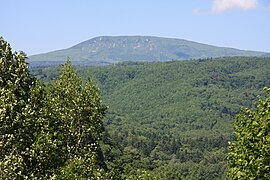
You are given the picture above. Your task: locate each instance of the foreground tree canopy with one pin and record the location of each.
(48, 131)
(250, 152)
(55, 130)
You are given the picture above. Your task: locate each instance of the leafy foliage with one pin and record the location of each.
(250, 152)
(48, 131)
(17, 103)
(174, 119)
(77, 113)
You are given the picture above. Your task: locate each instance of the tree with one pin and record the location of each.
(78, 111)
(19, 98)
(48, 131)
(249, 156)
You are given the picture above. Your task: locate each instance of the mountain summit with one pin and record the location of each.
(112, 49)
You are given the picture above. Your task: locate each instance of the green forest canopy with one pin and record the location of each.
(174, 118)
(164, 120)
(48, 131)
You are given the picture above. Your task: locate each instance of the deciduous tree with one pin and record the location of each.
(249, 156)
(48, 131)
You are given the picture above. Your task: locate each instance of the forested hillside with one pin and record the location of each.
(106, 50)
(174, 118)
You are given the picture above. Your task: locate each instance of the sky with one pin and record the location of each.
(36, 26)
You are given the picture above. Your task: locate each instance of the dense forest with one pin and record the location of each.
(163, 120)
(172, 120)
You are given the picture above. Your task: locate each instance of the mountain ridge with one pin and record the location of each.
(104, 50)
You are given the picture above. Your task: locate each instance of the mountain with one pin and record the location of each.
(111, 49)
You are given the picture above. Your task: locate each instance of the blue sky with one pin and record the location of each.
(36, 26)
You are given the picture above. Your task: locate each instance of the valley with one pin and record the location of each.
(174, 115)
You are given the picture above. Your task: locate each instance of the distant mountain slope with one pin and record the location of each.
(174, 118)
(111, 49)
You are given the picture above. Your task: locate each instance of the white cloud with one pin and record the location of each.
(220, 6)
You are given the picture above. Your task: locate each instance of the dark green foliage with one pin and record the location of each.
(48, 131)
(176, 116)
(249, 156)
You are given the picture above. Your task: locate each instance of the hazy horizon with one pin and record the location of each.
(40, 27)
